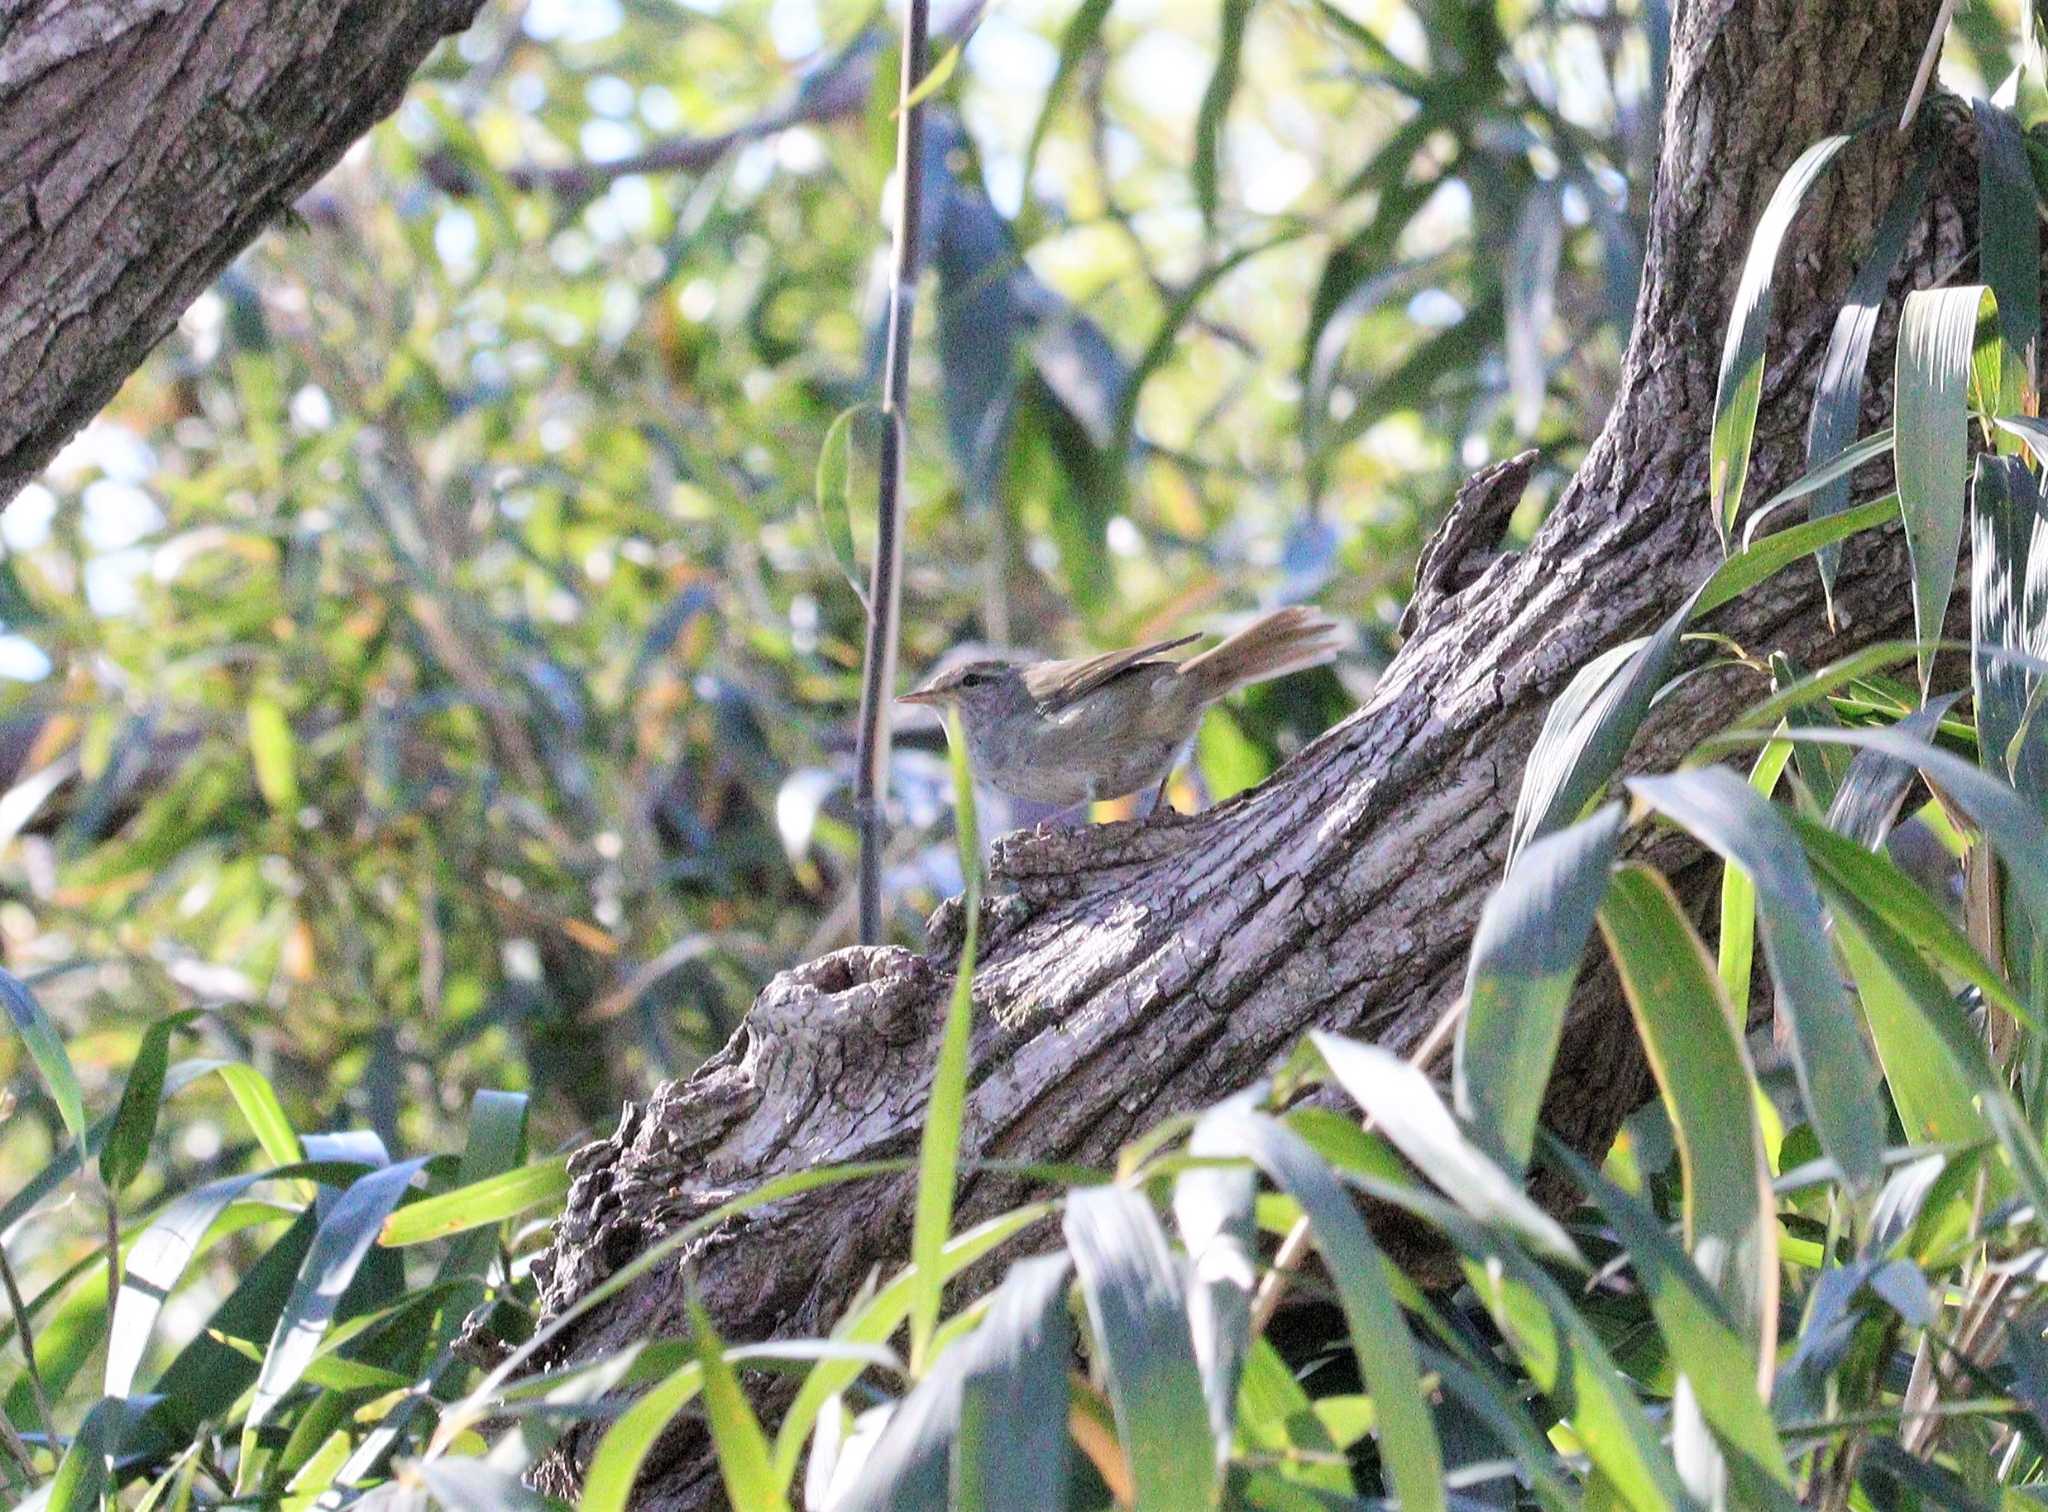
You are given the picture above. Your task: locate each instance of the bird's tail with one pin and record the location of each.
(1287, 640)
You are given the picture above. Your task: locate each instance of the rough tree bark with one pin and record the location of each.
(1137, 971)
(142, 145)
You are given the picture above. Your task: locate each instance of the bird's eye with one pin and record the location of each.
(972, 679)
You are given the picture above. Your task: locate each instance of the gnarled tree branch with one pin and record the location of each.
(1134, 971)
(142, 146)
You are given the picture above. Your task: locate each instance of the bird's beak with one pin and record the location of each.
(927, 696)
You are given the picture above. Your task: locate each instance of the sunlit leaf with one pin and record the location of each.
(1742, 357)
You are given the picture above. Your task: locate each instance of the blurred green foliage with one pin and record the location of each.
(433, 663)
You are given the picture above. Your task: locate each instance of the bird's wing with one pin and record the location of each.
(1055, 684)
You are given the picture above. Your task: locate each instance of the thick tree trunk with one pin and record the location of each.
(1139, 971)
(144, 144)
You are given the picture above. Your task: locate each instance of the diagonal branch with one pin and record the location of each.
(1136, 971)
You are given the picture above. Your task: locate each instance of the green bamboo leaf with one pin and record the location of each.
(1836, 1073)
(1718, 1364)
(127, 1144)
(1742, 357)
(1135, 1298)
(1943, 335)
(477, 1203)
(1821, 477)
(1821, 768)
(1695, 1048)
(1952, 1049)
(1525, 961)
(2009, 225)
(46, 1049)
(83, 1475)
(2008, 576)
(1867, 803)
(876, 1320)
(833, 496)
(155, 1263)
(1838, 394)
(1404, 1106)
(1775, 552)
(1567, 1361)
(945, 1109)
(736, 1436)
(2014, 827)
(495, 1147)
(272, 753)
(257, 1101)
(1409, 1450)
(345, 1236)
(1012, 1446)
(1842, 865)
(1587, 731)
(921, 1454)
(204, 1380)
(1213, 1207)
(1736, 954)
(1907, 1008)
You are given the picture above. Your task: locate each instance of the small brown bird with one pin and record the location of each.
(1070, 732)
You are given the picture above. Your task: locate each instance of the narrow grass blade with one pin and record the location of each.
(1696, 1051)
(1838, 395)
(489, 1201)
(1135, 1299)
(736, 1436)
(1409, 1450)
(1836, 1072)
(1943, 333)
(1742, 356)
(945, 1110)
(1525, 960)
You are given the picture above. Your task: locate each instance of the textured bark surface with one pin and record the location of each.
(143, 143)
(1136, 972)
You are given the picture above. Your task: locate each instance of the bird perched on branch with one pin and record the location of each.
(1099, 727)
